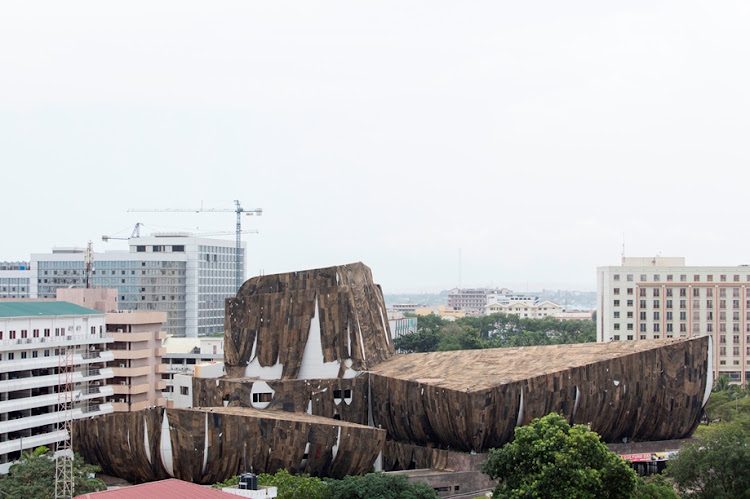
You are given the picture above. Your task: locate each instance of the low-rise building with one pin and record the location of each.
(524, 309)
(181, 355)
(33, 336)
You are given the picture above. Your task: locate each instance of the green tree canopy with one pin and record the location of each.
(715, 466)
(33, 476)
(380, 486)
(549, 458)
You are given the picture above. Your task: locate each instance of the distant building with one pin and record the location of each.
(32, 335)
(471, 301)
(15, 280)
(187, 277)
(401, 325)
(575, 316)
(661, 298)
(181, 355)
(407, 308)
(507, 298)
(525, 309)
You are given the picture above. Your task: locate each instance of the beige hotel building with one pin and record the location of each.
(661, 298)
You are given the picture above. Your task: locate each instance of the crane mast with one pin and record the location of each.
(238, 209)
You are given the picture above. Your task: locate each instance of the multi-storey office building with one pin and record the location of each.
(654, 298)
(185, 276)
(472, 301)
(15, 280)
(526, 309)
(32, 337)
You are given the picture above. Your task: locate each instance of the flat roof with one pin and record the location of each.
(482, 369)
(43, 308)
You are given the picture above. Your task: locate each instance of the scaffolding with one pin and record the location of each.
(64, 480)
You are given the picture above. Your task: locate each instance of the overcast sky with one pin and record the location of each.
(529, 136)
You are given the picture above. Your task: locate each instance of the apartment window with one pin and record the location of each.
(696, 304)
(696, 278)
(709, 328)
(12, 335)
(722, 351)
(735, 304)
(617, 315)
(696, 292)
(643, 316)
(630, 303)
(683, 292)
(617, 326)
(630, 291)
(683, 328)
(709, 316)
(669, 327)
(683, 277)
(656, 292)
(642, 303)
(735, 315)
(643, 336)
(669, 278)
(722, 316)
(722, 292)
(696, 315)
(656, 304)
(669, 303)
(735, 351)
(643, 328)
(34, 354)
(709, 292)
(656, 327)
(657, 277)
(630, 337)
(35, 333)
(669, 292)
(630, 315)
(616, 303)
(722, 304)
(643, 277)
(710, 278)
(629, 277)
(642, 292)
(11, 356)
(696, 328)
(736, 278)
(46, 333)
(616, 277)
(709, 304)
(736, 339)
(24, 333)
(23, 355)
(629, 327)
(617, 338)
(616, 291)
(735, 292)
(46, 353)
(722, 327)
(736, 327)
(723, 278)
(669, 316)
(184, 390)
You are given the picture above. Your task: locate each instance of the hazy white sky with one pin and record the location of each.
(531, 135)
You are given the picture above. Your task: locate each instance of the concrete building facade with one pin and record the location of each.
(32, 336)
(137, 365)
(185, 276)
(15, 280)
(662, 298)
(525, 309)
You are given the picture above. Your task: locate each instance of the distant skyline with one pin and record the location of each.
(532, 136)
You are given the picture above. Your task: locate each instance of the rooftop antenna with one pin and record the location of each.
(622, 256)
(459, 268)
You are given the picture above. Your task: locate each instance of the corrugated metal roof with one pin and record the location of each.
(43, 308)
(163, 489)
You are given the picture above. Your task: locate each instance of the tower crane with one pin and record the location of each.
(238, 209)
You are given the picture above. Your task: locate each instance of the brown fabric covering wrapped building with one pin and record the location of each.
(210, 445)
(270, 317)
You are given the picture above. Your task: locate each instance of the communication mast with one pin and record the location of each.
(64, 480)
(238, 209)
(88, 263)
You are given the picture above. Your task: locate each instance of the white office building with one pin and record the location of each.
(185, 276)
(657, 298)
(32, 335)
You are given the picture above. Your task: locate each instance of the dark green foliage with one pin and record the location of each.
(655, 487)
(33, 476)
(549, 458)
(295, 486)
(380, 486)
(493, 331)
(716, 466)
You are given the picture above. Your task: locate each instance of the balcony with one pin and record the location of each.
(132, 354)
(132, 372)
(54, 341)
(134, 337)
(53, 379)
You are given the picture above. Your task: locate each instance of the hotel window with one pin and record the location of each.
(656, 277)
(669, 316)
(683, 304)
(683, 292)
(617, 315)
(617, 291)
(669, 327)
(656, 327)
(683, 278)
(617, 326)
(696, 278)
(709, 328)
(630, 291)
(710, 278)
(656, 304)
(683, 328)
(656, 292)
(669, 277)
(643, 316)
(630, 277)
(630, 303)
(736, 339)
(722, 350)
(642, 303)
(616, 277)
(616, 337)
(630, 315)
(616, 303)
(696, 315)
(722, 292)
(669, 292)
(696, 292)
(643, 277)
(723, 278)
(642, 292)
(630, 327)
(669, 303)
(643, 328)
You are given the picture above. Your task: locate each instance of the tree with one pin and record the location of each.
(34, 476)
(715, 466)
(380, 486)
(549, 458)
